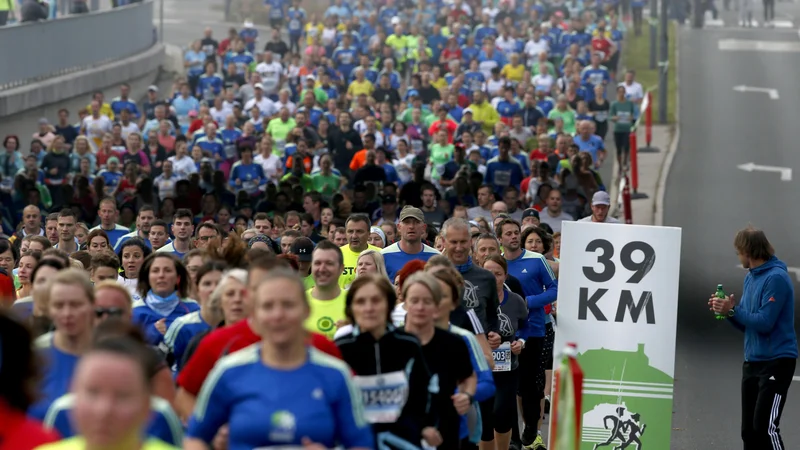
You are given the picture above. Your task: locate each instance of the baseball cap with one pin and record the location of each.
(258, 86)
(302, 248)
(468, 110)
(601, 198)
(530, 212)
(385, 199)
(44, 121)
(113, 159)
(153, 88)
(410, 212)
(310, 77)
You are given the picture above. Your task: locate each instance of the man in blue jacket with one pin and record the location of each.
(766, 316)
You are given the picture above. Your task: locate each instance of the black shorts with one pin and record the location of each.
(613, 62)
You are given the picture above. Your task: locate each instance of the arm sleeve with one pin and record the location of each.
(551, 287)
(420, 405)
(353, 429)
(776, 292)
(462, 361)
(196, 369)
(212, 409)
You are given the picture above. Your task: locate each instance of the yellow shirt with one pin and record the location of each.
(350, 261)
(312, 31)
(355, 89)
(325, 314)
(78, 443)
(105, 110)
(439, 84)
(512, 73)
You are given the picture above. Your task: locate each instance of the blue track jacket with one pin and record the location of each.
(766, 313)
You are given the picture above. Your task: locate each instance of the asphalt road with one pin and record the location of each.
(185, 20)
(710, 198)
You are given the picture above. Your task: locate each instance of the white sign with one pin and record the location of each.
(618, 302)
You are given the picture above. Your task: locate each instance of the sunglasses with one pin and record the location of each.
(110, 312)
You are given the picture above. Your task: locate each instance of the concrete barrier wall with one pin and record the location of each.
(39, 50)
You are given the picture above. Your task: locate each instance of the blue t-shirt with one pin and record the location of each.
(145, 318)
(164, 423)
(56, 376)
(114, 234)
(539, 286)
(181, 332)
(501, 174)
(396, 258)
(265, 407)
(593, 145)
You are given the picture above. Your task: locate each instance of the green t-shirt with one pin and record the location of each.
(307, 182)
(279, 129)
(567, 116)
(441, 154)
(308, 282)
(624, 112)
(327, 185)
(551, 69)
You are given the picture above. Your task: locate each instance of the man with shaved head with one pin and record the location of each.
(31, 225)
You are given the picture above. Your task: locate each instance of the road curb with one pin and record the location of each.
(661, 187)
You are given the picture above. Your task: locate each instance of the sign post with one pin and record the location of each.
(618, 302)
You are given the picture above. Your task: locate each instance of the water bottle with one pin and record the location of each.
(719, 294)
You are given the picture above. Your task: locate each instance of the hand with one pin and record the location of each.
(257, 180)
(721, 305)
(516, 347)
(341, 322)
(161, 326)
(53, 171)
(308, 444)
(220, 441)
(348, 145)
(494, 340)
(432, 437)
(461, 402)
(238, 181)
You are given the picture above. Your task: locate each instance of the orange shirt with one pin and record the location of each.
(308, 162)
(359, 160)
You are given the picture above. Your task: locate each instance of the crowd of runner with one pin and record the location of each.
(343, 234)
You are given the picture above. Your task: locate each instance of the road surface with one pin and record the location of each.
(711, 198)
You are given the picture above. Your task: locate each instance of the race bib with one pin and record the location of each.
(502, 177)
(249, 186)
(230, 151)
(384, 396)
(502, 358)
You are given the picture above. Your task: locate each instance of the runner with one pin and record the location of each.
(389, 366)
(412, 229)
(326, 298)
(282, 356)
(445, 353)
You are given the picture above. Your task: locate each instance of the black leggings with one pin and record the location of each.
(505, 401)
(529, 389)
(622, 140)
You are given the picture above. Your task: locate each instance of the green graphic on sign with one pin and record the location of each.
(626, 402)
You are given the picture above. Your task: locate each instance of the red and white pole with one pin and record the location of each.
(634, 161)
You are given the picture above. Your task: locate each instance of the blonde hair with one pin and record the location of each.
(72, 277)
(377, 258)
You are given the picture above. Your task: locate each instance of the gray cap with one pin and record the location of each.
(44, 121)
(601, 198)
(410, 212)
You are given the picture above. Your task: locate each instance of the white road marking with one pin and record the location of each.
(786, 172)
(773, 93)
(761, 46)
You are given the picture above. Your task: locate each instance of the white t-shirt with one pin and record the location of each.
(403, 166)
(271, 165)
(288, 105)
(128, 129)
(634, 91)
(532, 49)
(265, 106)
(543, 81)
(219, 115)
(95, 129)
(183, 167)
(507, 45)
(270, 76)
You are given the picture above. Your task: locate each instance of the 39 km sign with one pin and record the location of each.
(618, 301)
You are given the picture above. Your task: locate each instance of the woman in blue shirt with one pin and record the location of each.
(280, 392)
(163, 285)
(70, 305)
(194, 61)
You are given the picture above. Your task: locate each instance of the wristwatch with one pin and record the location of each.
(471, 397)
(731, 312)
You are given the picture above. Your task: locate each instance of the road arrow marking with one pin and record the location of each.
(773, 93)
(758, 46)
(786, 173)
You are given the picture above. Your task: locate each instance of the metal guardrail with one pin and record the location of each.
(39, 50)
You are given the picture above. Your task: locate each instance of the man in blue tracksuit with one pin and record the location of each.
(766, 316)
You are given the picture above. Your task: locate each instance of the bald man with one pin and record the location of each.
(31, 225)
